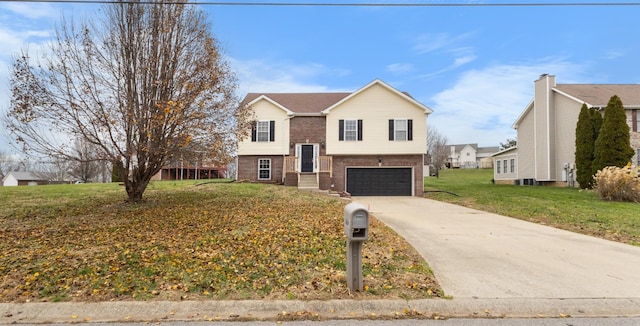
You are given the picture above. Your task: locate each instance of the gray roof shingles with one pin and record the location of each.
(599, 94)
(301, 102)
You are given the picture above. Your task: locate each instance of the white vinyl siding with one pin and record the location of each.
(264, 169)
(376, 105)
(278, 137)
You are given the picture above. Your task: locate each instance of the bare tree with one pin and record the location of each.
(141, 84)
(437, 148)
(56, 171)
(88, 166)
(8, 163)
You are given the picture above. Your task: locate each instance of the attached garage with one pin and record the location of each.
(379, 181)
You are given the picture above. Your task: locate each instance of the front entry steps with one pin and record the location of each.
(308, 181)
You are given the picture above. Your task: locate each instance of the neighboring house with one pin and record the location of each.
(190, 171)
(367, 142)
(15, 178)
(545, 153)
(471, 156)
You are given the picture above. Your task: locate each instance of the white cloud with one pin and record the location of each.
(614, 54)
(426, 43)
(400, 68)
(463, 60)
(265, 76)
(483, 104)
(30, 10)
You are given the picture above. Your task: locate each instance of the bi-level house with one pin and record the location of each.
(366, 143)
(546, 131)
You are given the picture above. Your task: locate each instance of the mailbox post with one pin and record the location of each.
(356, 229)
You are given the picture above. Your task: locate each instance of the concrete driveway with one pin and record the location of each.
(481, 255)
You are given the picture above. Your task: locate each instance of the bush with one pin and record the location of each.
(618, 184)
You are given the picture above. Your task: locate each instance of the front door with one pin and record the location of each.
(307, 158)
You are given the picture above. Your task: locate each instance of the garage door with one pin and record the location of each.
(379, 181)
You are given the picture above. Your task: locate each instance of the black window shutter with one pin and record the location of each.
(340, 129)
(359, 129)
(254, 131)
(272, 130)
(409, 129)
(391, 135)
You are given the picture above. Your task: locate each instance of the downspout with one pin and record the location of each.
(285, 147)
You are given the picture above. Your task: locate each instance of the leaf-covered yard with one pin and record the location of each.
(218, 241)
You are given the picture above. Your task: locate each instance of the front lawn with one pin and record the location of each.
(566, 208)
(217, 241)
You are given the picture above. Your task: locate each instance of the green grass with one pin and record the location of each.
(567, 208)
(188, 241)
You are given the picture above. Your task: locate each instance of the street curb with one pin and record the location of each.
(227, 310)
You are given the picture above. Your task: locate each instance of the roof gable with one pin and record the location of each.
(403, 95)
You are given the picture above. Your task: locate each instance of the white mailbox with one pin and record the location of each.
(356, 222)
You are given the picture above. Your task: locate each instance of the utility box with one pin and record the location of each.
(356, 222)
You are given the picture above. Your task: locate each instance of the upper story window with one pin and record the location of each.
(400, 129)
(263, 131)
(350, 130)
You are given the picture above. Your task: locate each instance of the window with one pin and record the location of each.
(350, 130)
(504, 166)
(513, 165)
(264, 169)
(400, 129)
(498, 167)
(638, 157)
(263, 131)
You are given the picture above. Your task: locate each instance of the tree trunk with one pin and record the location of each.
(135, 190)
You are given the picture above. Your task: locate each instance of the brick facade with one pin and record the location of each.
(248, 168)
(340, 163)
(303, 130)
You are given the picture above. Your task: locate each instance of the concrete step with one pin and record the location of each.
(308, 181)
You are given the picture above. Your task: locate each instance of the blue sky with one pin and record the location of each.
(474, 66)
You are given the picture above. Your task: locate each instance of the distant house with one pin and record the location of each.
(368, 142)
(190, 171)
(545, 154)
(16, 178)
(471, 156)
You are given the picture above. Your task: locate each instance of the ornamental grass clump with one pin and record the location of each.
(618, 184)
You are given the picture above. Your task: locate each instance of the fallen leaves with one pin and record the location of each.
(219, 241)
